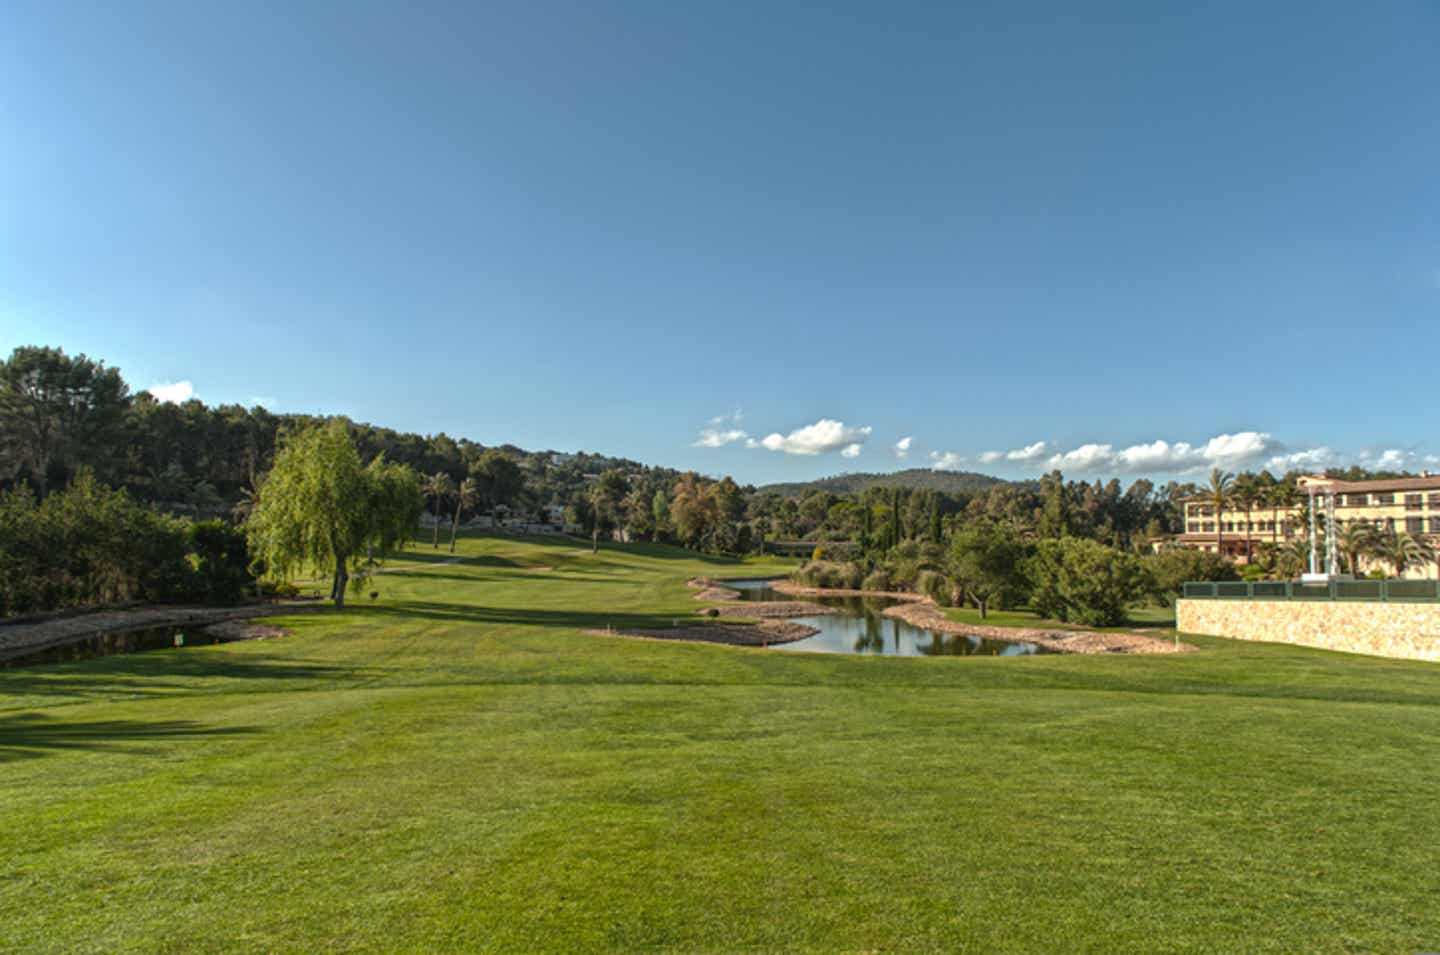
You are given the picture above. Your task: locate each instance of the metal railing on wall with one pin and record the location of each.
(1383, 590)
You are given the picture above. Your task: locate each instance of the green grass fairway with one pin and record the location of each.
(459, 768)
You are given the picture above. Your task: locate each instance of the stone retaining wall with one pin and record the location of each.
(1408, 631)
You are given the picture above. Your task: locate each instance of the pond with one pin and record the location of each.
(860, 627)
(111, 644)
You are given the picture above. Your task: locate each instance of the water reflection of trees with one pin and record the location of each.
(950, 645)
(872, 638)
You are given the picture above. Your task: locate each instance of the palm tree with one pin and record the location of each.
(1356, 539)
(1219, 494)
(1246, 493)
(1283, 497)
(1400, 550)
(1293, 556)
(466, 496)
(438, 487)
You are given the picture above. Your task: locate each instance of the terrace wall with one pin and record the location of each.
(1409, 631)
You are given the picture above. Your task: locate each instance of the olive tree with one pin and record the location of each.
(321, 510)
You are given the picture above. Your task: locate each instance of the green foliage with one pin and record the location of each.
(877, 579)
(321, 510)
(87, 545)
(936, 586)
(987, 561)
(1082, 581)
(845, 575)
(221, 560)
(1171, 568)
(58, 412)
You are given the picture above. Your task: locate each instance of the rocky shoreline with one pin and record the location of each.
(715, 591)
(920, 611)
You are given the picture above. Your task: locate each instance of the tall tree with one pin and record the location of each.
(56, 413)
(1246, 493)
(438, 487)
(1219, 494)
(606, 494)
(322, 511)
(498, 478)
(465, 496)
(987, 561)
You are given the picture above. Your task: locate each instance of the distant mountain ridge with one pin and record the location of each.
(949, 481)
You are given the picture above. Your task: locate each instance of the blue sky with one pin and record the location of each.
(771, 240)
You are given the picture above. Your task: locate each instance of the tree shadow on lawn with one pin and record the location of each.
(163, 673)
(530, 617)
(33, 735)
(560, 573)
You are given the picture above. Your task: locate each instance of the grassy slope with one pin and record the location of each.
(458, 768)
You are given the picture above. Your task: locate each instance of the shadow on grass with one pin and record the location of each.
(527, 617)
(33, 735)
(162, 672)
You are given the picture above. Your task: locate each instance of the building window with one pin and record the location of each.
(1355, 500)
(1415, 525)
(1435, 502)
(1208, 527)
(1435, 525)
(1412, 502)
(1384, 500)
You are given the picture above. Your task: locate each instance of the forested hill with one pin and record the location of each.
(948, 481)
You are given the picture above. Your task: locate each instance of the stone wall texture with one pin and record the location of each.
(1409, 631)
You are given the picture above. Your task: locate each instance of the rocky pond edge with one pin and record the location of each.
(921, 611)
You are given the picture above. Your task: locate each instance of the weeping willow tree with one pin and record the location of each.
(320, 510)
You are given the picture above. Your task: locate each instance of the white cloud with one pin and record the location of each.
(1087, 457)
(1026, 455)
(1310, 459)
(902, 447)
(721, 430)
(1240, 448)
(734, 417)
(1159, 455)
(850, 451)
(174, 394)
(716, 438)
(1392, 459)
(946, 461)
(822, 437)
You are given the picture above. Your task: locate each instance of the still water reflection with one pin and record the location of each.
(860, 627)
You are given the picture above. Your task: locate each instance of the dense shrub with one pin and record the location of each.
(936, 586)
(877, 579)
(90, 545)
(822, 573)
(1170, 569)
(1081, 580)
(221, 562)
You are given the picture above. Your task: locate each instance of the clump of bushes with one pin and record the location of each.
(877, 579)
(936, 586)
(845, 575)
(1081, 580)
(1170, 569)
(90, 545)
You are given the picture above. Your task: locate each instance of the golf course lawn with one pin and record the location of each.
(457, 767)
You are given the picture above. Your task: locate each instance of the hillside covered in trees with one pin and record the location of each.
(926, 479)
